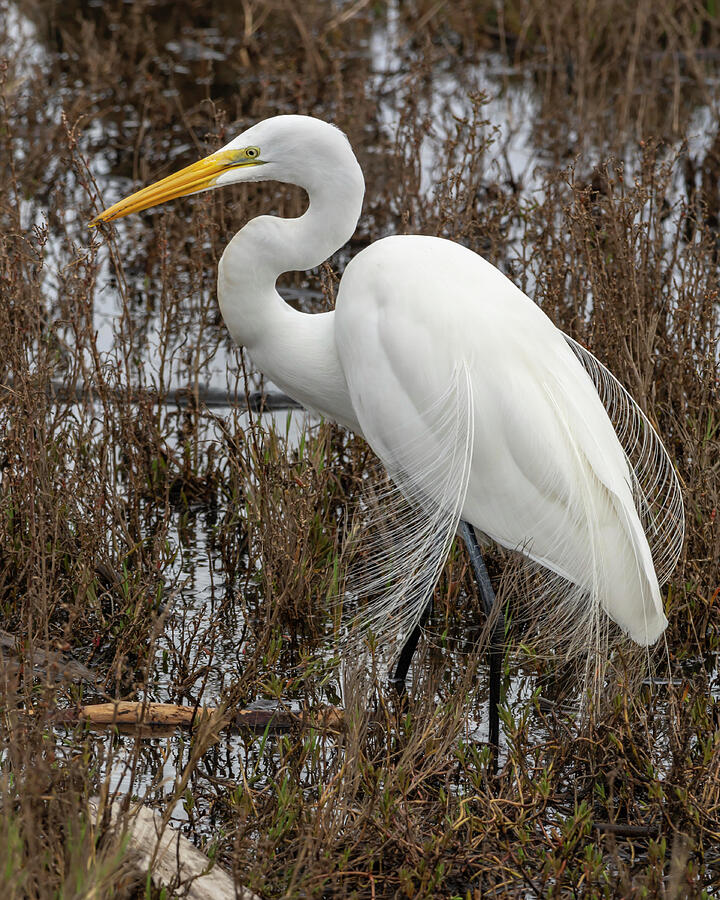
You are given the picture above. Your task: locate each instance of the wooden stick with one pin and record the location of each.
(257, 401)
(621, 830)
(124, 713)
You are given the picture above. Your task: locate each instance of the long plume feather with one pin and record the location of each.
(656, 489)
(409, 517)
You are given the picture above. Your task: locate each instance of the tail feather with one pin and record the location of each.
(654, 483)
(631, 517)
(622, 525)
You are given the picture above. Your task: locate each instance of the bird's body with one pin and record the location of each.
(475, 402)
(547, 474)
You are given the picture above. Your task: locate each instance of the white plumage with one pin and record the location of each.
(478, 406)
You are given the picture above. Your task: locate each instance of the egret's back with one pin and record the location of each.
(546, 473)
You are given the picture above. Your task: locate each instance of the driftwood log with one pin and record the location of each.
(173, 862)
(129, 714)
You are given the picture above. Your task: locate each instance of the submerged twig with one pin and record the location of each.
(257, 401)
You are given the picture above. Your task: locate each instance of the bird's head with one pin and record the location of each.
(293, 149)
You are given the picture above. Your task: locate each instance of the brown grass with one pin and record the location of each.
(102, 496)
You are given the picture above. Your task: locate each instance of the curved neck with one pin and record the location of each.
(295, 350)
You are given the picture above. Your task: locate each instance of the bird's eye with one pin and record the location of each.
(252, 152)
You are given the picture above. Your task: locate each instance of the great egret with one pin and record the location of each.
(481, 410)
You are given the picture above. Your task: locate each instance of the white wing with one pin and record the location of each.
(547, 475)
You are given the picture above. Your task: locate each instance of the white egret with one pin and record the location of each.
(480, 408)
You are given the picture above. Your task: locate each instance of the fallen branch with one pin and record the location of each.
(620, 830)
(129, 714)
(257, 401)
(169, 857)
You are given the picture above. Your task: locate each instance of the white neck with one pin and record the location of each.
(295, 350)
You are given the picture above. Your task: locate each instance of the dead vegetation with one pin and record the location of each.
(182, 553)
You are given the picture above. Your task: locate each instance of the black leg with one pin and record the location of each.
(397, 678)
(487, 595)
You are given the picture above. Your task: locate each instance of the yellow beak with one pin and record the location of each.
(197, 177)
